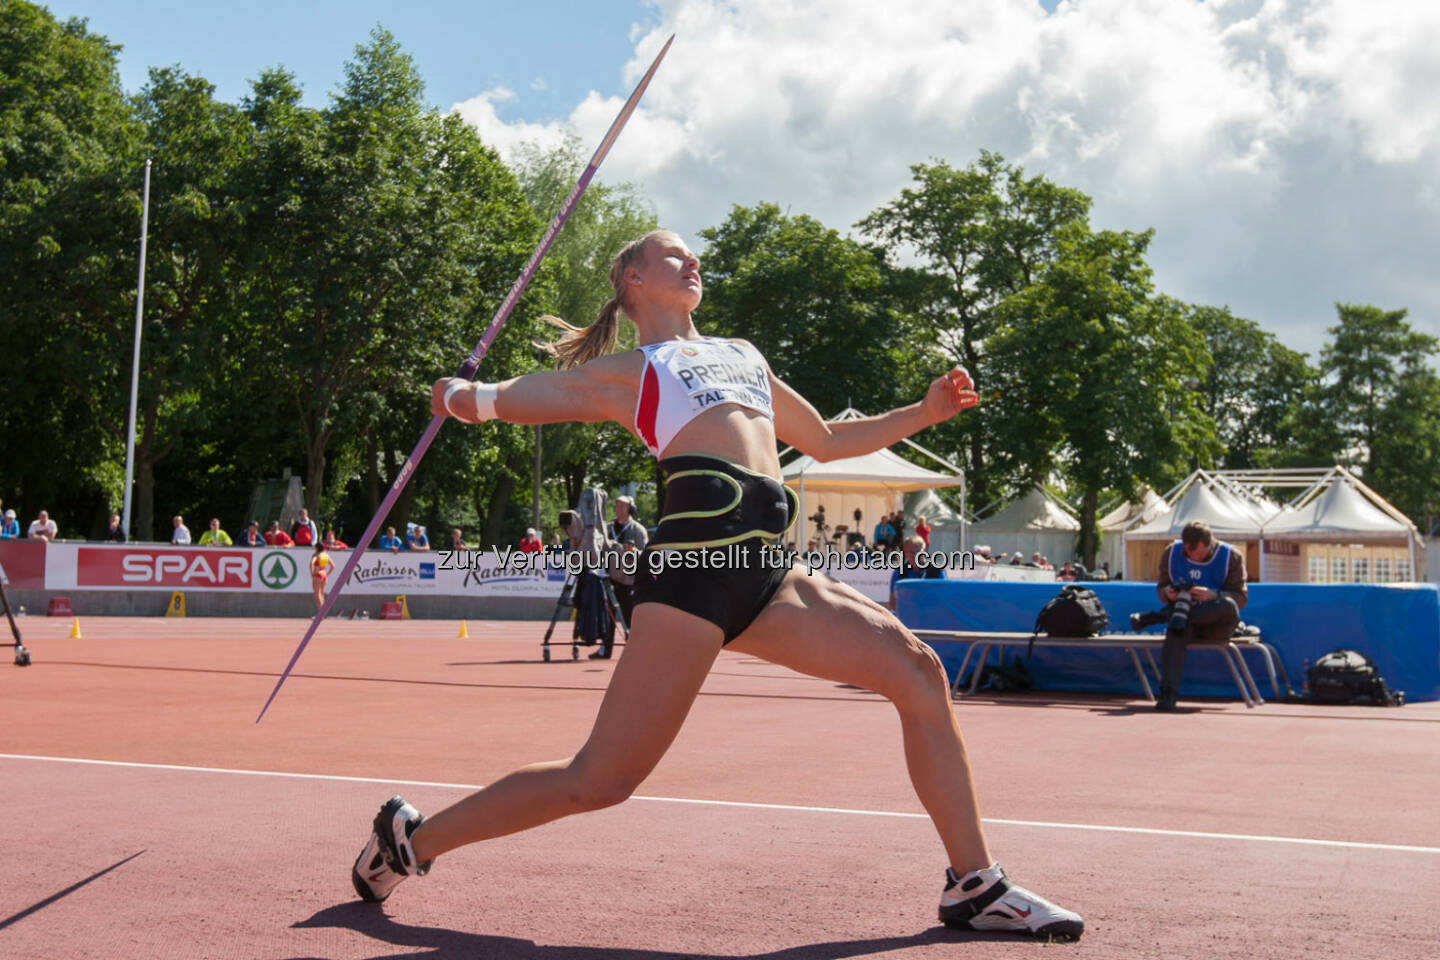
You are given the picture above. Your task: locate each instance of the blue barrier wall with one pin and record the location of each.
(1397, 625)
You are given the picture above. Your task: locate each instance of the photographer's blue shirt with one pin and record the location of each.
(1209, 573)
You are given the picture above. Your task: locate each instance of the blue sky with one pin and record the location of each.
(546, 52)
(1286, 152)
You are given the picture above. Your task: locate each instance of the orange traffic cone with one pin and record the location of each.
(464, 634)
(75, 630)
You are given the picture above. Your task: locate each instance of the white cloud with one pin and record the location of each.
(1286, 151)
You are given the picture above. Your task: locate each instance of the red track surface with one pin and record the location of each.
(142, 861)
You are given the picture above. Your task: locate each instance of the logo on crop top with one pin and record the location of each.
(690, 351)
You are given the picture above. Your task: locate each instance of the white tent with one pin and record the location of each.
(1230, 518)
(1033, 523)
(872, 484)
(1343, 511)
(1113, 524)
(947, 529)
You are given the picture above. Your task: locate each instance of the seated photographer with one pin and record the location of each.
(1202, 581)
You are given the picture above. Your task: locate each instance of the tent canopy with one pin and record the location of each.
(882, 469)
(1036, 511)
(1225, 513)
(1133, 511)
(1342, 512)
(1033, 523)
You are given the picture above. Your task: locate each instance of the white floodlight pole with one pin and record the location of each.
(135, 362)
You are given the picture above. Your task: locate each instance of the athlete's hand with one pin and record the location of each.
(950, 394)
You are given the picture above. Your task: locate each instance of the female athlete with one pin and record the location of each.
(711, 411)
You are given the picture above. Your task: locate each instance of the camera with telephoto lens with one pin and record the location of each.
(1180, 612)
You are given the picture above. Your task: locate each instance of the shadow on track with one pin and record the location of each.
(370, 920)
(41, 905)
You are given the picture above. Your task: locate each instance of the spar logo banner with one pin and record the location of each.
(276, 569)
(162, 568)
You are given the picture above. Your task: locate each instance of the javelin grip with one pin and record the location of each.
(472, 363)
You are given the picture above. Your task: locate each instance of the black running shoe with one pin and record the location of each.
(388, 858)
(987, 900)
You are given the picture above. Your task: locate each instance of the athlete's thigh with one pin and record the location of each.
(828, 629)
(666, 658)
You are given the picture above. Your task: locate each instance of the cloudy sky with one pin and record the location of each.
(1287, 152)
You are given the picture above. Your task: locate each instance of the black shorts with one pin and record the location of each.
(716, 550)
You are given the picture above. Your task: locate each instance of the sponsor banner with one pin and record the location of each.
(24, 563)
(161, 568)
(483, 573)
(508, 573)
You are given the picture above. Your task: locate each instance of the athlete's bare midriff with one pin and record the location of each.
(743, 436)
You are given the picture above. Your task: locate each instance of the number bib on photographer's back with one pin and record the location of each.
(684, 378)
(1208, 573)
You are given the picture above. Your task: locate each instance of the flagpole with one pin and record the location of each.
(135, 362)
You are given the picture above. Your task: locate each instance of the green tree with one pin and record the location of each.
(1381, 395)
(983, 234)
(825, 310)
(191, 286)
(69, 217)
(383, 235)
(1091, 371)
(607, 217)
(1255, 392)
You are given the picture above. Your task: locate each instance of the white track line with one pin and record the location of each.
(1149, 831)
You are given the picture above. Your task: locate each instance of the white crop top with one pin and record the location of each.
(684, 378)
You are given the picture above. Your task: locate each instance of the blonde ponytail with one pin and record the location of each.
(577, 345)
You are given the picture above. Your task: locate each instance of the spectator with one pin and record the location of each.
(910, 569)
(215, 537)
(333, 542)
(276, 537)
(1104, 572)
(251, 536)
(628, 532)
(530, 543)
(457, 540)
(388, 540)
(421, 540)
(180, 536)
(1039, 562)
(884, 532)
(922, 530)
(113, 533)
(9, 526)
(982, 554)
(1016, 560)
(42, 528)
(1067, 572)
(1202, 582)
(303, 531)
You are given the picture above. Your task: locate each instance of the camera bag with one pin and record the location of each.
(1075, 611)
(1345, 677)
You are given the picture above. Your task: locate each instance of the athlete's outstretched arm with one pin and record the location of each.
(602, 389)
(799, 424)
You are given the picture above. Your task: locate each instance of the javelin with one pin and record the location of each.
(472, 363)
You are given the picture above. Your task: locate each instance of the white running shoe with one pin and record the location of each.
(987, 900)
(388, 858)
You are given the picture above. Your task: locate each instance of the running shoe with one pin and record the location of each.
(987, 900)
(388, 858)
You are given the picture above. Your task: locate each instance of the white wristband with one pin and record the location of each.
(485, 394)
